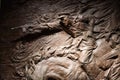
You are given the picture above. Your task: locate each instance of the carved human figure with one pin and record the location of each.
(72, 25)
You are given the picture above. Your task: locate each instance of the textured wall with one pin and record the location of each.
(60, 40)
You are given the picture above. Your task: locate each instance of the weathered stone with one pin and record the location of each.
(60, 40)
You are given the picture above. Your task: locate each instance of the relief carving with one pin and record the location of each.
(80, 41)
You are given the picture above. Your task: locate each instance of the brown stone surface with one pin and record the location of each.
(60, 40)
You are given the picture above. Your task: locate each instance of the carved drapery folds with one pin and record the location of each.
(54, 69)
(83, 42)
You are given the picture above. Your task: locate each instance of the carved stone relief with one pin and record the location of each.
(69, 40)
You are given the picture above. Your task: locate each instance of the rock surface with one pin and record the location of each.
(60, 40)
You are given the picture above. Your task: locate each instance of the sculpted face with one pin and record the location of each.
(58, 68)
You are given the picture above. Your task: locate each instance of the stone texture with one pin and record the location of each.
(60, 40)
